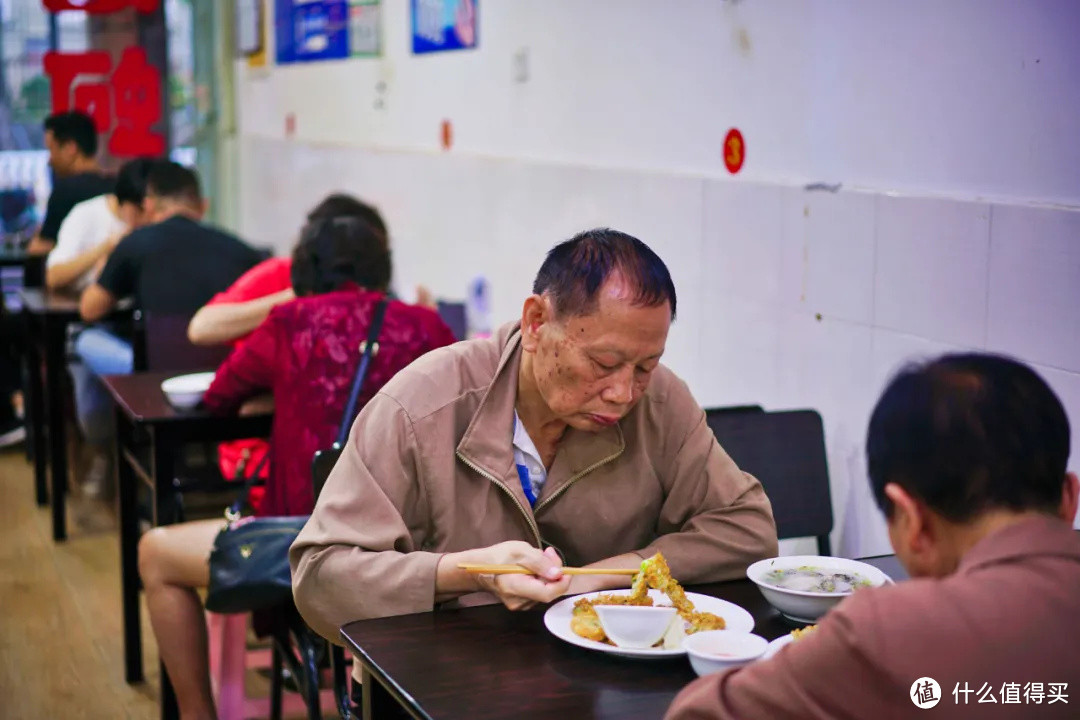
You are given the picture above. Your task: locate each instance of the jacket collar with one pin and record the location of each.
(488, 440)
(1039, 536)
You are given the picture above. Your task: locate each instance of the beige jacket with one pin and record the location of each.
(429, 469)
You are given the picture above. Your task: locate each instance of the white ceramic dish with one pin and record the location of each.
(557, 621)
(631, 626)
(803, 606)
(776, 645)
(719, 650)
(186, 391)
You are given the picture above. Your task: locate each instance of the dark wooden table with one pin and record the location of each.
(489, 663)
(144, 418)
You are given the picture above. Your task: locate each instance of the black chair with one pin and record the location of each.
(454, 315)
(786, 452)
(161, 345)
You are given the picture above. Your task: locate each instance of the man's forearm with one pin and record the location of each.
(63, 274)
(222, 323)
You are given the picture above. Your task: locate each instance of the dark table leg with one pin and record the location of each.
(35, 411)
(127, 489)
(378, 703)
(55, 340)
(164, 461)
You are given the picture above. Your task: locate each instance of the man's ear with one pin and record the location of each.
(534, 314)
(1070, 498)
(909, 520)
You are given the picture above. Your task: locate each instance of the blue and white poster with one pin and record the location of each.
(439, 25)
(308, 30)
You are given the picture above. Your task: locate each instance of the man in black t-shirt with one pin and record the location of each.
(175, 264)
(71, 140)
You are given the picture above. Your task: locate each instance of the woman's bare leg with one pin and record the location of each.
(173, 561)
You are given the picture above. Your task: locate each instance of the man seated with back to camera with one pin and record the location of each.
(563, 430)
(967, 457)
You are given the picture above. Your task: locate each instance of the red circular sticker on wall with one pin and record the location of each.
(734, 151)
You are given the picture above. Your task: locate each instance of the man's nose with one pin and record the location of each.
(621, 389)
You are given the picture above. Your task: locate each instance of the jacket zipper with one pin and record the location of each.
(574, 479)
(532, 523)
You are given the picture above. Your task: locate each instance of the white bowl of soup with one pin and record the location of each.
(186, 391)
(805, 587)
(718, 650)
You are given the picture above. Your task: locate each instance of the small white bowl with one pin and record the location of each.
(634, 626)
(804, 606)
(718, 650)
(186, 391)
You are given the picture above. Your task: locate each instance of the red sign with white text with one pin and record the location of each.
(734, 151)
(101, 7)
(126, 99)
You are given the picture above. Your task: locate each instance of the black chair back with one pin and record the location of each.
(161, 345)
(786, 452)
(453, 314)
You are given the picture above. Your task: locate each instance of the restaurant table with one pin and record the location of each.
(487, 662)
(48, 316)
(144, 417)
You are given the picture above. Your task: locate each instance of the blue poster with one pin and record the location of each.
(308, 30)
(443, 25)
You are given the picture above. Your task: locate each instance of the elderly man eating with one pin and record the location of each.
(560, 440)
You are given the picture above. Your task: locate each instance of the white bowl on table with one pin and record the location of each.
(804, 606)
(635, 626)
(718, 650)
(186, 391)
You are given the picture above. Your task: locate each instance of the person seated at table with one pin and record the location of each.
(561, 433)
(306, 353)
(231, 315)
(94, 227)
(72, 142)
(967, 458)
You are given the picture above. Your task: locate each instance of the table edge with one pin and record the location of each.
(404, 699)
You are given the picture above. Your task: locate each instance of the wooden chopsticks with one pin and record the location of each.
(519, 570)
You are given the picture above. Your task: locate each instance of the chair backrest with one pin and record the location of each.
(453, 314)
(161, 345)
(786, 452)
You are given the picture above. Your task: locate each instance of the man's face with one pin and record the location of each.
(62, 156)
(591, 370)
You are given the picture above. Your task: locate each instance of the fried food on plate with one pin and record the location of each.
(654, 574)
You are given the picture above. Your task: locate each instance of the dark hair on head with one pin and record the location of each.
(173, 181)
(341, 204)
(335, 251)
(575, 270)
(968, 433)
(74, 126)
(131, 180)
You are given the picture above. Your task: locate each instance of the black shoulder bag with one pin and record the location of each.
(249, 563)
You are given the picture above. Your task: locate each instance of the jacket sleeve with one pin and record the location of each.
(361, 554)
(715, 519)
(247, 371)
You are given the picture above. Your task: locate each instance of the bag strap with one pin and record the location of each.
(368, 349)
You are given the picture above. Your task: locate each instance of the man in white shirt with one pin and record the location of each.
(94, 227)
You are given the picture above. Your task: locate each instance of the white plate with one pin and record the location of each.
(557, 621)
(775, 645)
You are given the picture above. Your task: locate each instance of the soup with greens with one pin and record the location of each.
(814, 579)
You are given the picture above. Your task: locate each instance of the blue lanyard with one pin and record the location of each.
(526, 484)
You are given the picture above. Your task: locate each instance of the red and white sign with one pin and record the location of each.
(126, 99)
(734, 151)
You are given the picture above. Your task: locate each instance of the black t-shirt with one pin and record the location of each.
(175, 266)
(67, 193)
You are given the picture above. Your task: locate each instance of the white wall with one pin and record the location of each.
(953, 127)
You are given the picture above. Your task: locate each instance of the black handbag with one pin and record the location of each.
(249, 563)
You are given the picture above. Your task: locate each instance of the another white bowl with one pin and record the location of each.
(718, 650)
(805, 606)
(635, 626)
(186, 391)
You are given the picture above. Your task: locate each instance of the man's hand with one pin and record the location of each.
(517, 592)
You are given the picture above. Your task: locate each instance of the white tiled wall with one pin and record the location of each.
(787, 298)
